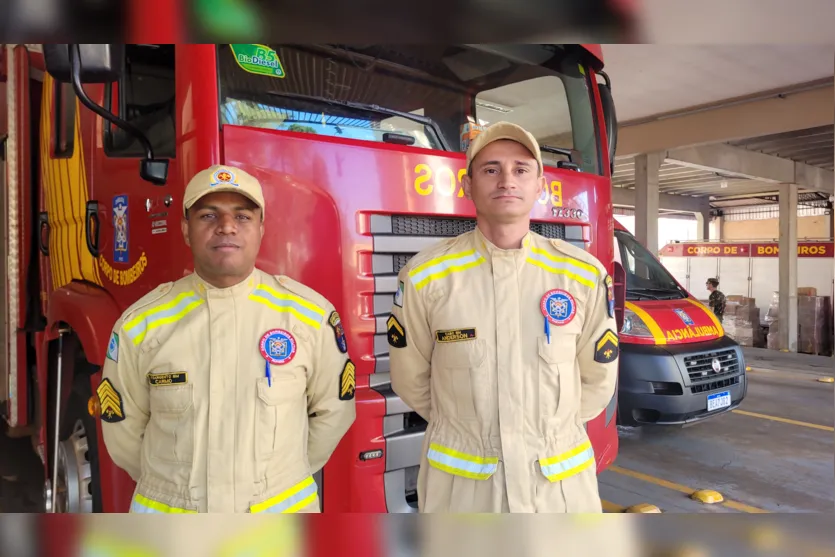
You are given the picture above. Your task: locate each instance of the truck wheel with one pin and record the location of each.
(78, 489)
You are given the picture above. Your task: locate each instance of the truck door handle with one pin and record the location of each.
(92, 236)
(43, 226)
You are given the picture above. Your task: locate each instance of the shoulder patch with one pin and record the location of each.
(398, 296)
(338, 331)
(606, 348)
(396, 332)
(112, 409)
(113, 347)
(348, 381)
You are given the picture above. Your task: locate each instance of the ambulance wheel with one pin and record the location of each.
(78, 488)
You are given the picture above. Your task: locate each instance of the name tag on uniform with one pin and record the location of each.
(163, 379)
(455, 335)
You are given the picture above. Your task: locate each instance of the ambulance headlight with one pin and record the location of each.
(634, 325)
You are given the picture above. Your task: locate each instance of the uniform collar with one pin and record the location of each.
(243, 288)
(490, 250)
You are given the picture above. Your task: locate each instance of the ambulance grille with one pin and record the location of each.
(397, 238)
(700, 368)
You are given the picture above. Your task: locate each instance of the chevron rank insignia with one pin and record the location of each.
(396, 332)
(606, 348)
(112, 410)
(348, 381)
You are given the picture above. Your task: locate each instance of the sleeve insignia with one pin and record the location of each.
(396, 332)
(398, 296)
(348, 381)
(110, 400)
(338, 331)
(606, 348)
(113, 347)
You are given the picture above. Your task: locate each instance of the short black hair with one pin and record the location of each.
(713, 282)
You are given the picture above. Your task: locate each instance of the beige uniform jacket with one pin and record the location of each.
(189, 411)
(505, 405)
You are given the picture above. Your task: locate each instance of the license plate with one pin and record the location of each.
(718, 400)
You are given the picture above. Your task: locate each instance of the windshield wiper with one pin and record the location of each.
(640, 292)
(425, 120)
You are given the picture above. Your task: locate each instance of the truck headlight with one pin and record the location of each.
(634, 325)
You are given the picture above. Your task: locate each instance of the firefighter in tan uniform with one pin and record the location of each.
(505, 342)
(226, 390)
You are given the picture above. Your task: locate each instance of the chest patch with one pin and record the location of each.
(455, 335)
(278, 346)
(558, 306)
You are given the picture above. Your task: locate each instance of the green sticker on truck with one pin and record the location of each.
(258, 59)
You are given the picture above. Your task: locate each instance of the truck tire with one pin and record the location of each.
(79, 487)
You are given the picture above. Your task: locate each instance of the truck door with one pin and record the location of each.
(138, 221)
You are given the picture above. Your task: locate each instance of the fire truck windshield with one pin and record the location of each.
(427, 96)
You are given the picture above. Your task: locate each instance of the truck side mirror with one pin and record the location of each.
(619, 280)
(101, 63)
(609, 116)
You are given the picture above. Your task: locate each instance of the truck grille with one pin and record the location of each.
(702, 376)
(396, 239)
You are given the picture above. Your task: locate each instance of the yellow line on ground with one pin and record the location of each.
(794, 375)
(609, 507)
(784, 420)
(681, 488)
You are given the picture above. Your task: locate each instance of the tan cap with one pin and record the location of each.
(220, 178)
(504, 130)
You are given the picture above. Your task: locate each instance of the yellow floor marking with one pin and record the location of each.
(682, 488)
(795, 375)
(784, 420)
(609, 507)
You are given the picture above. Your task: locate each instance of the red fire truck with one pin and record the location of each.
(359, 150)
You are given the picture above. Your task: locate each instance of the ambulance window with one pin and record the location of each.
(145, 98)
(63, 134)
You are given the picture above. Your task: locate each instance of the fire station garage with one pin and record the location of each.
(724, 170)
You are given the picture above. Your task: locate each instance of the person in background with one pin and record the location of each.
(717, 299)
(225, 391)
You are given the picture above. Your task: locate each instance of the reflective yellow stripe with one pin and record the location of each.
(461, 464)
(441, 267)
(291, 500)
(585, 274)
(143, 505)
(304, 310)
(651, 324)
(167, 313)
(569, 463)
(709, 313)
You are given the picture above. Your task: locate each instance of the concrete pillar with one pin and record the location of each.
(647, 166)
(703, 226)
(788, 267)
(716, 225)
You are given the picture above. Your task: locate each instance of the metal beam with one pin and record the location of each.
(769, 113)
(743, 163)
(626, 198)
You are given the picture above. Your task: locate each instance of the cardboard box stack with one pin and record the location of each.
(814, 323)
(742, 321)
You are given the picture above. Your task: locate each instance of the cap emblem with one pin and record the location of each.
(223, 176)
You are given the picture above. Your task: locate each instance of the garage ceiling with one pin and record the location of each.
(650, 79)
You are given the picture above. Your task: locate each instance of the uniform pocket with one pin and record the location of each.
(556, 367)
(459, 367)
(281, 412)
(171, 426)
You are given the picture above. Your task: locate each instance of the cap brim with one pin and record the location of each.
(221, 189)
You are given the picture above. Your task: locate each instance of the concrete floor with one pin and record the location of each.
(773, 454)
(757, 462)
